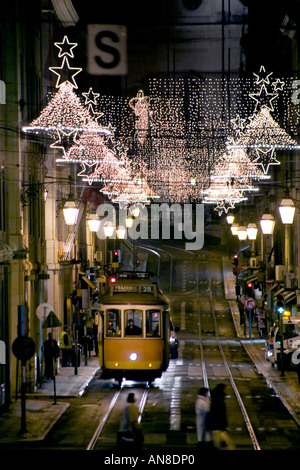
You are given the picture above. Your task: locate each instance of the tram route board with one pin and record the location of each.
(130, 288)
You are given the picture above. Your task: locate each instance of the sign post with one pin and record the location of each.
(250, 304)
(23, 348)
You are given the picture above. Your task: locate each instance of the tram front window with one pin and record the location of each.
(153, 323)
(133, 322)
(113, 322)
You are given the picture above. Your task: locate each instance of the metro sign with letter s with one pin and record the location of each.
(107, 49)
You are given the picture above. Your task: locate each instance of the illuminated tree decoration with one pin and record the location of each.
(235, 163)
(64, 114)
(263, 131)
(134, 192)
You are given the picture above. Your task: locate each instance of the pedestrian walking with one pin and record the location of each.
(218, 419)
(65, 345)
(130, 434)
(51, 353)
(202, 407)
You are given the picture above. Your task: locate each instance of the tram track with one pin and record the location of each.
(211, 332)
(232, 381)
(113, 405)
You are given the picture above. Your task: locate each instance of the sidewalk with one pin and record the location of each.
(286, 387)
(41, 410)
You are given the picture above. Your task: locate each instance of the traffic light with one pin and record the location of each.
(235, 260)
(286, 314)
(280, 307)
(249, 289)
(115, 258)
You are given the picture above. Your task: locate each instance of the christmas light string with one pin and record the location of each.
(184, 141)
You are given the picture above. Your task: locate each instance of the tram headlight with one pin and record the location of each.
(133, 356)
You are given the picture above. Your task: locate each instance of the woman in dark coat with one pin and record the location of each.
(218, 418)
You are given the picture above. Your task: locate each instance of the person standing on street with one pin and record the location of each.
(202, 406)
(51, 353)
(218, 418)
(65, 345)
(130, 428)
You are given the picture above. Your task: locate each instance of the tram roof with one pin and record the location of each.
(129, 298)
(133, 288)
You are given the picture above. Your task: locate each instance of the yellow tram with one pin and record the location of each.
(135, 328)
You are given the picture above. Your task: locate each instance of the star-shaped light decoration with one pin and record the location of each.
(65, 141)
(262, 76)
(89, 170)
(278, 85)
(66, 47)
(238, 124)
(224, 205)
(90, 96)
(263, 98)
(65, 73)
(265, 158)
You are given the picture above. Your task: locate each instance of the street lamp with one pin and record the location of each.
(94, 223)
(71, 212)
(252, 231)
(108, 229)
(121, 232)
(129, 222)
(230, 218)
(267, 224)
(135, 211)
(234, 229)
(242, 232)
(287, 211)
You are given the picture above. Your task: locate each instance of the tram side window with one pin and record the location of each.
(153, 323)
(133, 322)
(113, 322)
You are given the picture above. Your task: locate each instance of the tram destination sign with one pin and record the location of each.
(131, 288)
